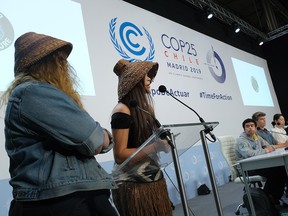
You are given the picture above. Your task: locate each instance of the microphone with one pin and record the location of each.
(208, 129)
(165, 134)
(133, 104)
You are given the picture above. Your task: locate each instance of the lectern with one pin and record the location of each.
(180, 138)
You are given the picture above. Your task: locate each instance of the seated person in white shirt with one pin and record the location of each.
(278, 131)
(250, 144)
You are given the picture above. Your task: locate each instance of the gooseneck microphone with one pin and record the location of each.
(208, 129)
(133, 104)
(166, 134)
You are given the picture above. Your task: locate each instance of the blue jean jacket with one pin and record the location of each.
(51, 142)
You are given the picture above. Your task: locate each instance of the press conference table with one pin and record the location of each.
(272, 159)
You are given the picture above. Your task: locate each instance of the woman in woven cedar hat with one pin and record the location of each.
(142, 188)
(50, 139)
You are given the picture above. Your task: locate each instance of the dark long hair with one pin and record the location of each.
(144, 123)
(275, 118)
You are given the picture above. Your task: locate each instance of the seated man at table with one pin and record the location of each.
(260, 118)
(249, 144)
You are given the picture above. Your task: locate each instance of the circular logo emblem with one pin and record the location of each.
(216, 66)
(6, 33)
(133, 41)
(254, 84)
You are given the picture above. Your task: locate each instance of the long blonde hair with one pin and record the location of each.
(53, 69)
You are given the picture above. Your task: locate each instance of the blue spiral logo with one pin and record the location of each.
(127, 31)
(213, 62)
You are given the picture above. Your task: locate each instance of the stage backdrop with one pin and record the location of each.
(220, 82)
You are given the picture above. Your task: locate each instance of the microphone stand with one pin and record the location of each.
(208, 130)
(178, 173)
(211, 172)
(203, 137)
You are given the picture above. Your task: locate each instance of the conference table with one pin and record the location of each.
(272, 159)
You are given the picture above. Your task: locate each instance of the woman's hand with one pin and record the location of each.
(162, 145)
(106, 143)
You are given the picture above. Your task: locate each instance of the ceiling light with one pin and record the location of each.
(236, 27)
(208, 12)
(260, 41)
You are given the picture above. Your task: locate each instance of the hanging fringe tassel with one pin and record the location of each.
(143, 199)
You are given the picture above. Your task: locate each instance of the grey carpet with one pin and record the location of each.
(230, 196)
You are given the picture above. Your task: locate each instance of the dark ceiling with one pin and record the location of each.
(259, 18)
(265, 15)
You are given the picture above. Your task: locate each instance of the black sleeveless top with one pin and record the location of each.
(146, 170)
(124, 121)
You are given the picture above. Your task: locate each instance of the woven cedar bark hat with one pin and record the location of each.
(130, 73)
(32, 47)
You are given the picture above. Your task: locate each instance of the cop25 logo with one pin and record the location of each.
(133, 45)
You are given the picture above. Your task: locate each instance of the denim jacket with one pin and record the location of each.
(51, 142)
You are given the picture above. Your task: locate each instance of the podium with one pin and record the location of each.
(163, 147)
